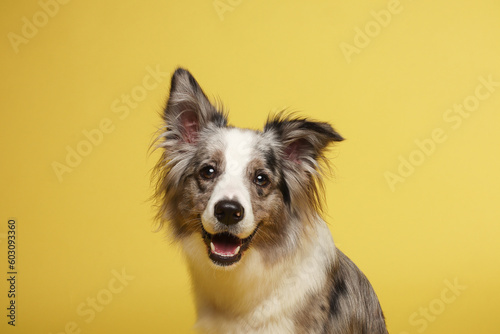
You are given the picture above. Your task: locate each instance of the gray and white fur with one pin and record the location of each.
(245, 206)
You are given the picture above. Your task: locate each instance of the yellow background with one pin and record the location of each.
(441, 224)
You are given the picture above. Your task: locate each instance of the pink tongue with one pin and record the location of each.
(226, 244)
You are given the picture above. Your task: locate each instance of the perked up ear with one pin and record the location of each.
(188, 109)
(303, 141)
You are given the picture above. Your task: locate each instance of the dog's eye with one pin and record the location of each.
(261, 180)
(208, 172)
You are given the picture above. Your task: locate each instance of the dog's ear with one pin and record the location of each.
(188, 108)
(188, 112)
(301, 145)
(303, 141)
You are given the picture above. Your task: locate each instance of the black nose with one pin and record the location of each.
(228, 212)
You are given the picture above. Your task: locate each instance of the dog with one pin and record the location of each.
(245, 206)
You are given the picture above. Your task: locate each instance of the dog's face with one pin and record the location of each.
(237, 190)
(233, 189)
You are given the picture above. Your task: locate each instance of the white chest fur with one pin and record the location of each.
(255, 297)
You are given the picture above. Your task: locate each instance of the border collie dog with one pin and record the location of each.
(245, 207)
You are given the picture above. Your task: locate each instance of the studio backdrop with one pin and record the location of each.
(413, 86)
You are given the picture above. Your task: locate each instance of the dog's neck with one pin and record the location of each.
(256, 289)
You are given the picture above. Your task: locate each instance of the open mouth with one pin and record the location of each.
(225, 249)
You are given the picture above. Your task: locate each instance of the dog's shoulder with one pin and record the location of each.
(346, 304)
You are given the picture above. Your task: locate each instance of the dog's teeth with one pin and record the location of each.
(237, 250)
(212, 247)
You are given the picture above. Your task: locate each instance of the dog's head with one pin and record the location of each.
(237, 189)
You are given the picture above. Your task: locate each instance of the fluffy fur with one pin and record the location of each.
(245, 207)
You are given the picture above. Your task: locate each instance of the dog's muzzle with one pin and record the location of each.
(225, 249)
